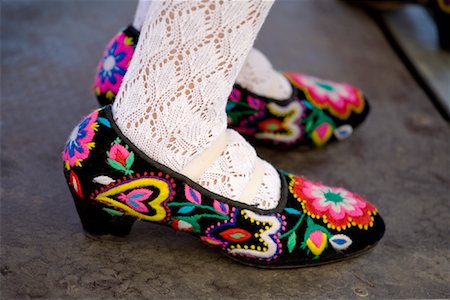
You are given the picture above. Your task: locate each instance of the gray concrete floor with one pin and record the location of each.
(399, 159)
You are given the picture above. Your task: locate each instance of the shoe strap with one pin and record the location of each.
(198, 166)
(254, 184)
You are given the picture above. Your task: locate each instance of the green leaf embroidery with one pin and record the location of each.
(116, 165)
(113, 212)
(130, 160)
(309, 125)
(292, 241)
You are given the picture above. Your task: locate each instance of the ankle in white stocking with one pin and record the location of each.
(258, 76)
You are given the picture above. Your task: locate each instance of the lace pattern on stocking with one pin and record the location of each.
(172, 101)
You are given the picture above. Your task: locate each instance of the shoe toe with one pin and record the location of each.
(334, 223)
(333, 108)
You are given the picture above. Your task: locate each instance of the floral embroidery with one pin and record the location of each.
(339, 98)
(80, 142)
(120, 158)
(113, 66)
(315, 237)
(322, 133)
(316, 242)
(337, 207)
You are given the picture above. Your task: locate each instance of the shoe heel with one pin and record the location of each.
(97, 221)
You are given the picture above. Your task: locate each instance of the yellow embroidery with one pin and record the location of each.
(128, 41)
(164, 194)
(320, 141)
(314, 249)
(290, 114)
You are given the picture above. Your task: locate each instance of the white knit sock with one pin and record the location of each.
(171, 104)
(257, 74)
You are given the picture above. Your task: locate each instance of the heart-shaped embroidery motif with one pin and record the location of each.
(135, 197)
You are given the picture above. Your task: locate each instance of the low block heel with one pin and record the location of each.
(98, 220)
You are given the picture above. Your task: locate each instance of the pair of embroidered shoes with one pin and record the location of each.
(113, 183)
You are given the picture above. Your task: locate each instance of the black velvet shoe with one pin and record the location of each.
(318, 111)
(113, 184)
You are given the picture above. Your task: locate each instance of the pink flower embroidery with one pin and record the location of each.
(120, 158)
(336, 206)
(317, 242)
(339, 98)
(322, 133)
(113, 66)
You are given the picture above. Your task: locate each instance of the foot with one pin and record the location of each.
(113, 184)
(315, 113)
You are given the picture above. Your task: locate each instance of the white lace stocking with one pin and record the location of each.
(257, 73)
(172, 101)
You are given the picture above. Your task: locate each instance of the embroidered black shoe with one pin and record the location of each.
(114, 184)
